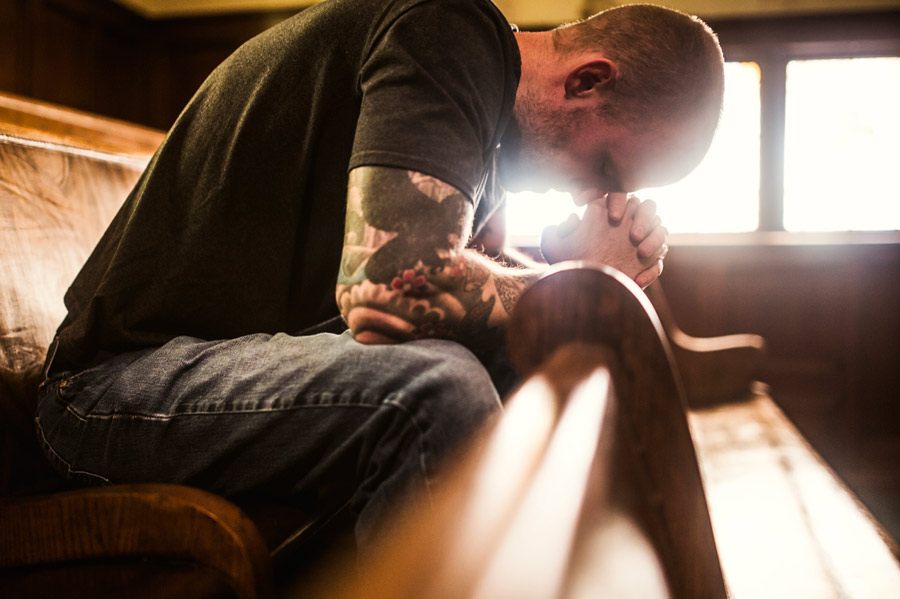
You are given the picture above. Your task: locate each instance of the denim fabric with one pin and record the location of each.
(319, 420)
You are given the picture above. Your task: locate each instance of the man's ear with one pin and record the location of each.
(592, 77)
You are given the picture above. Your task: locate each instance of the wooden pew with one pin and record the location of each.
(712, 369)
(63, 174)
(786, 526)
(589, 485)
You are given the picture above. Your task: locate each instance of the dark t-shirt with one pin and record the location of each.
(236, 227)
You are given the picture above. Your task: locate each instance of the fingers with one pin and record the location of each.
(550, 244)
(555, 245)
(654, 244)
(649, 275)
(587, 196)
(645, 221)
(648, 232)
(617, 204)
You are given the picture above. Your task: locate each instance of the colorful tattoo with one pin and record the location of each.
(405, 272)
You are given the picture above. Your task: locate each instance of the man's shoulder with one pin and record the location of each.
(448, 11)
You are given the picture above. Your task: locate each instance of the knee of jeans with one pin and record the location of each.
(453, 393)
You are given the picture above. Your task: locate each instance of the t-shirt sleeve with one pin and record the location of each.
(433, 90)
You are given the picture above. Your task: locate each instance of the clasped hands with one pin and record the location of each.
(616, 229)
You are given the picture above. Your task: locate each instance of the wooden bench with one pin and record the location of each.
(63, 174)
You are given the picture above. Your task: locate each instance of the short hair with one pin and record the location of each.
(669, 63)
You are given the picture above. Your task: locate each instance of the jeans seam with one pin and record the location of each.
(48, 448)
(391, 401)
(422, 446)
(67, 405)
(165, 417)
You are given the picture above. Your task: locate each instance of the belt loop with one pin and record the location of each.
(48, 361)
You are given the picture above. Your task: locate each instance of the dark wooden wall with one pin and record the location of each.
(97, 56)
(831, 313)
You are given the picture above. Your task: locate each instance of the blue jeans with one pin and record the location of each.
(317, 420)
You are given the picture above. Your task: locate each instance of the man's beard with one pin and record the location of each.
(532, 146)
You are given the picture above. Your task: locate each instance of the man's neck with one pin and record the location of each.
(536, 51)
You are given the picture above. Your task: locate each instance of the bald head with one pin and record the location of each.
(669, 64)
(626, 99)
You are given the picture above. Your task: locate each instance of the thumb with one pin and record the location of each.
(568, 226)
(554, 245)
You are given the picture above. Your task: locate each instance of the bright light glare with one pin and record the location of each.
(722, 194)
(842, 145)
(528, 212)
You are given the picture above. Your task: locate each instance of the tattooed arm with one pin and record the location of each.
(405, 271)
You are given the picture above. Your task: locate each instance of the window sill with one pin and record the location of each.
(756, 239)
(785, 238)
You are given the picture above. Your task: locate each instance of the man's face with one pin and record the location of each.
(579, 150)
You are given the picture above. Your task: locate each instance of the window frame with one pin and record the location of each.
(772, 42)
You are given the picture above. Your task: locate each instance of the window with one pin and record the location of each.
(842, 145)
(527, 213)
(722, 194)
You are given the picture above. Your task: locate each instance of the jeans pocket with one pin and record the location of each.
(80, 391)
(55, 425)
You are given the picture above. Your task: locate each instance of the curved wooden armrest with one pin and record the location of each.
(156, 521)
(713, 369)
(600, 305)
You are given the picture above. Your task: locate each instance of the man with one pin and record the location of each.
(194, 348)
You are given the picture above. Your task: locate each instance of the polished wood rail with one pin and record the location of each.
(36, 120)
(600, 306)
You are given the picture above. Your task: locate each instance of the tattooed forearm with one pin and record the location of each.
(405, 272)
(508, 293)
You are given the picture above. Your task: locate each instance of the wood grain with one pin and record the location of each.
(55, 202)
(713, 369)
(599, 305)
(26, 117)
(161, 521)
(785, 524)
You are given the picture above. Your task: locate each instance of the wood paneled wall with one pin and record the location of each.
(96, 56)
(88, 55)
